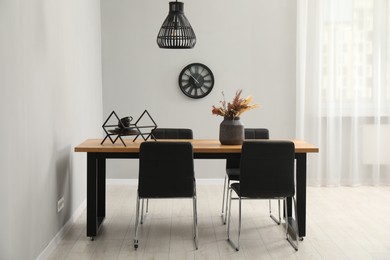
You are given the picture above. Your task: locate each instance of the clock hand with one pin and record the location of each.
(196, 79)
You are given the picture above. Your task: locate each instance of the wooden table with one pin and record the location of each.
(203, 149)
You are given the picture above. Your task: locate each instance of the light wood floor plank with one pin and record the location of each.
(342, 223)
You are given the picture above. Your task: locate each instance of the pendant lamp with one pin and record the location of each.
(176, 31)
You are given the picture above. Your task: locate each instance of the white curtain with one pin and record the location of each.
(343, 90)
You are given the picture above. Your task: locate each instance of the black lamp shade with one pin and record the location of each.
(176, 31)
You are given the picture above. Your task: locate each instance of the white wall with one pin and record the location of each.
(247, 44)
(51, 100)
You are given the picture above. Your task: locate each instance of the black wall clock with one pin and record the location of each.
(196, 80)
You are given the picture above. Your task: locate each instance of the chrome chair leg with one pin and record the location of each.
(237, 247)
(195, 213)
(136, 224)
(272, 216)
(229, 215)
(226, 204)
(142, 211)
(143, 215)
(296, 219)
(223, 201)
(239, 224)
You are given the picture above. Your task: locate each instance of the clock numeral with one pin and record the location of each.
(191, 88)
(186, 86)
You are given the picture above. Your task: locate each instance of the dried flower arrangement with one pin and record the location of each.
(236, 108)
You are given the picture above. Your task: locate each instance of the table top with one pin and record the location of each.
(199, 146)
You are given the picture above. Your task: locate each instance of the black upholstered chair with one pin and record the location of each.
(167, 133)
(172, 133)
(233, 168)
(166, 170)
(266, 172)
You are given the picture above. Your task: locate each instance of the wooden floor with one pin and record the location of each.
(342, 223)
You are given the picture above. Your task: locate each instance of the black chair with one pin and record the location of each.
(172, 133)
(233, 169)
(166, 170)
(266, 172)
(167, 133)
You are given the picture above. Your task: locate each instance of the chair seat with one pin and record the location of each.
(233, 174)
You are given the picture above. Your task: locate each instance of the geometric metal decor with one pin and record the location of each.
(176, 31)
(113, 126)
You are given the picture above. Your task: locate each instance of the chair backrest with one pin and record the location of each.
(172, 133)
(256, 133)
(267, 169)
(166, 170)
(250, 133)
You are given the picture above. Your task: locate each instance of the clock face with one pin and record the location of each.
(196, 80)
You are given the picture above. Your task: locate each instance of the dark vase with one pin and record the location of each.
(231, 131)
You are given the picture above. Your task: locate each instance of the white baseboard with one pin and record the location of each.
(61, 234)
(134, 182)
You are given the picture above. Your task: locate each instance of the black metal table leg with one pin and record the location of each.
(92, 223)
(96, 193)
(300, 197)
(301, 192)
(101, 190)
